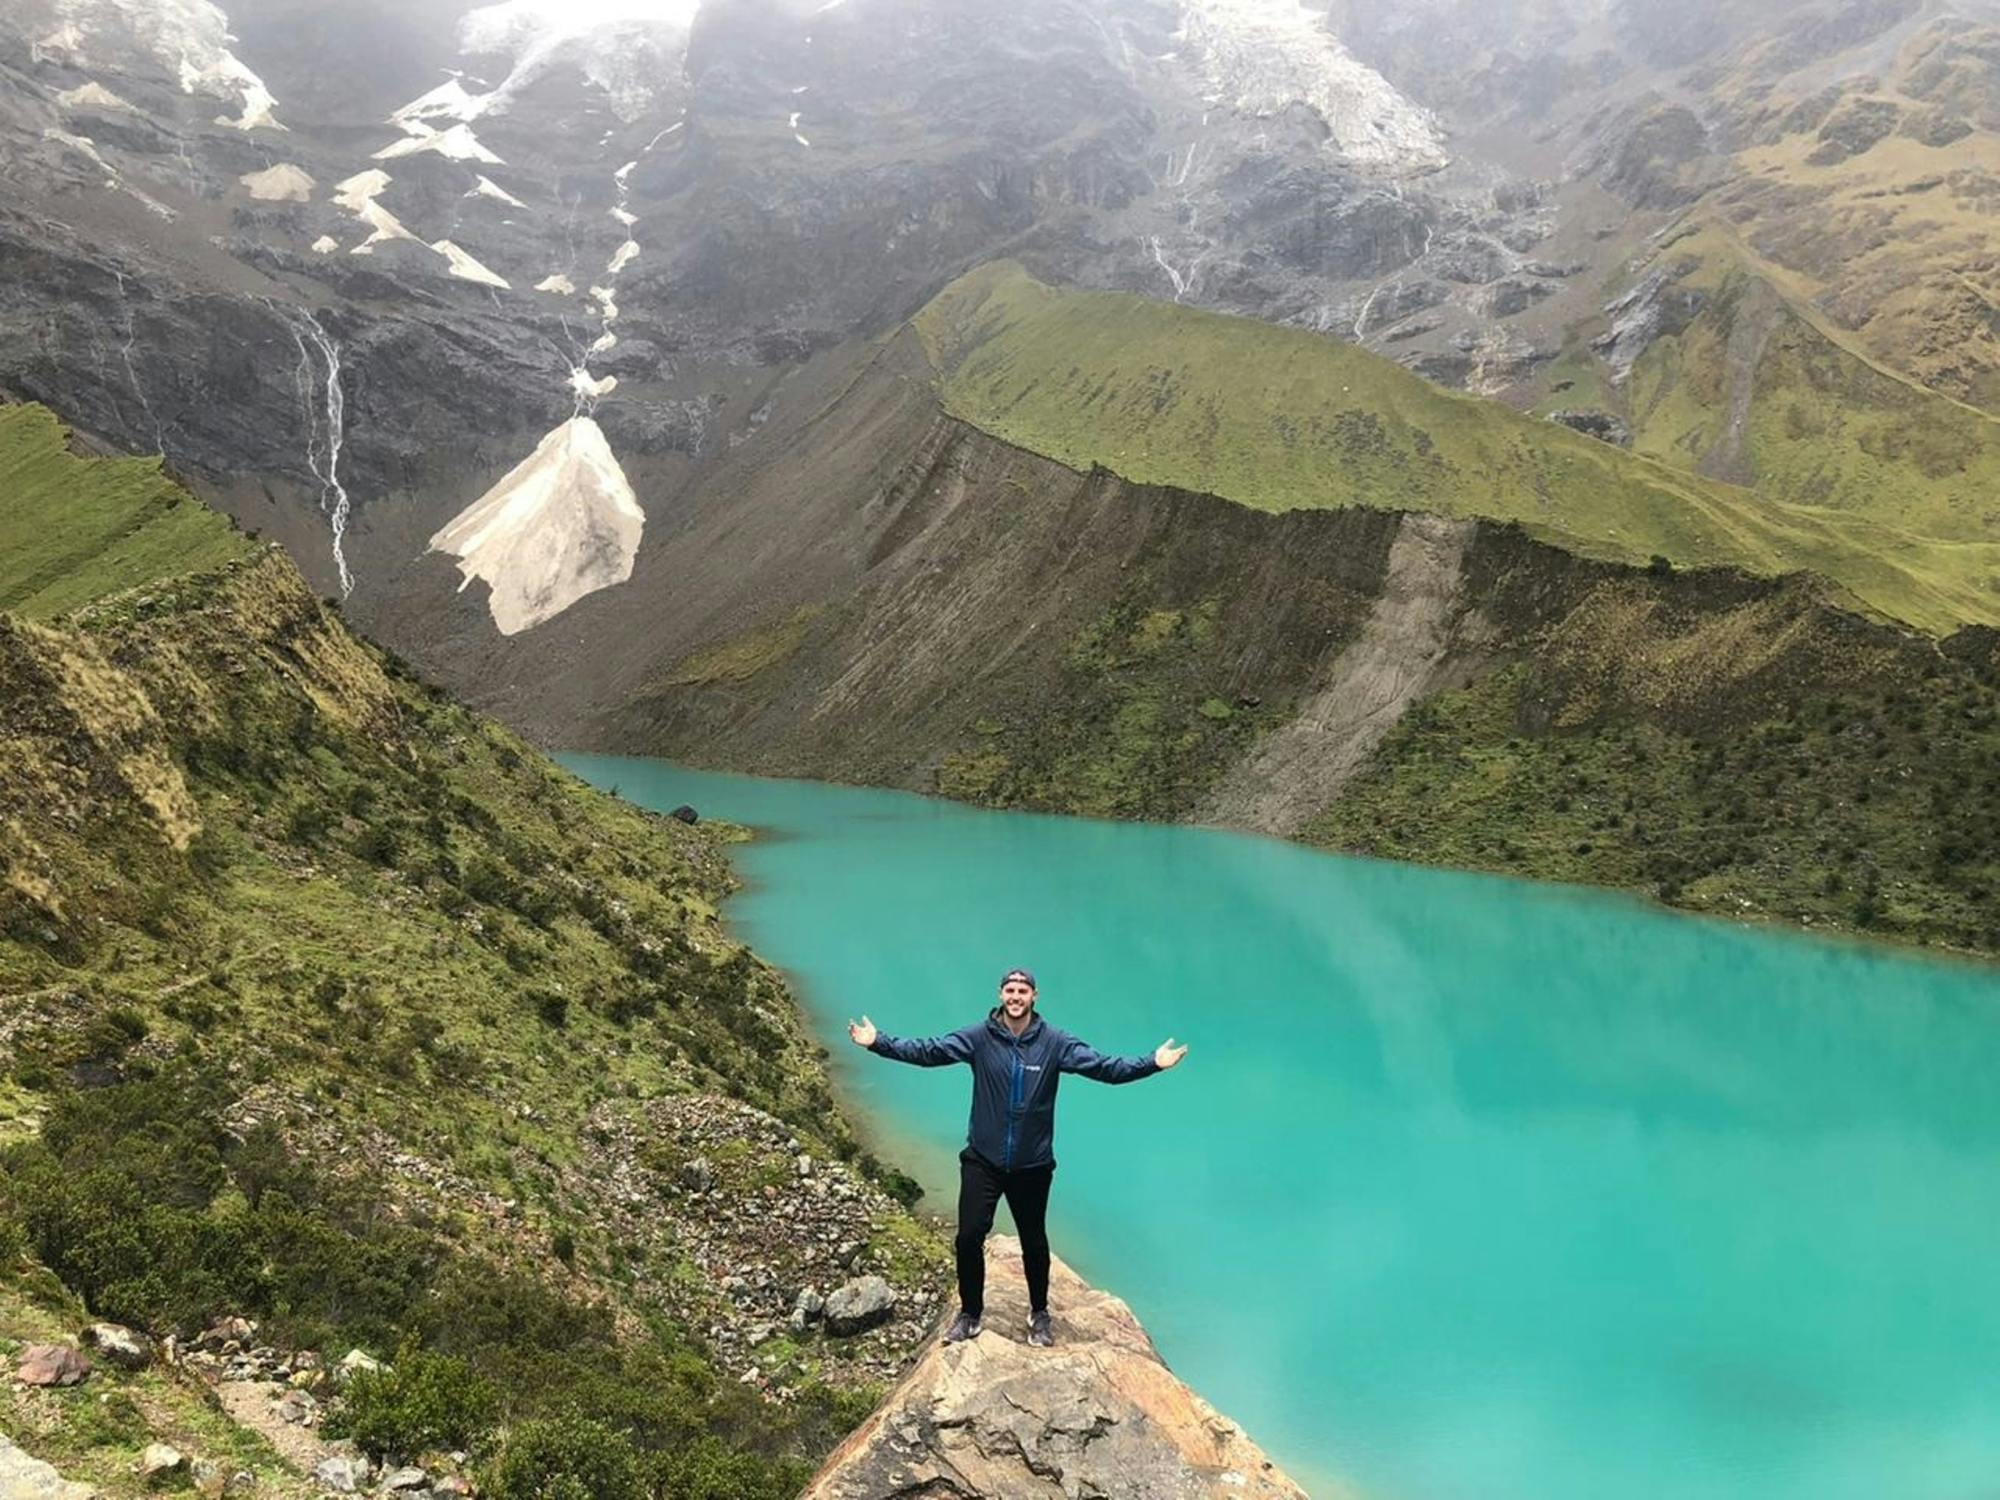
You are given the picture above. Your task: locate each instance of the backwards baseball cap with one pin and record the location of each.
(1026, 975)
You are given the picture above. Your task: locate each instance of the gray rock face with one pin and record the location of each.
(859, 1305)
(1605, 426)
(24, 1477)
(1654, 308)
(783, 195)
(342, 1473)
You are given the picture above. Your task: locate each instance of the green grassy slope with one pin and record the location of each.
(1859, 811)
(1280, 419)
(1820, 425)
(326, 1001)
(74, 528)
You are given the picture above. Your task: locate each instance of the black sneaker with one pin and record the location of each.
(964, 1326)
(1039, 1332)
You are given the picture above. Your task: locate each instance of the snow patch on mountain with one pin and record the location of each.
(283, 183)
(457, 143)
(627, 48)
(1260, 57)
(622, 258)
(466, 268)
(190, 37)
(357, 195)
(488, 188)
(556, 282)
(450, 100)
(326, 244)
(93, 95)
(561, 524)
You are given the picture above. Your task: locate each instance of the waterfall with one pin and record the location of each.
(332, 494)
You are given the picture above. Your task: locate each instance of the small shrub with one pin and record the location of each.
(566, 1458)
(420, 1402)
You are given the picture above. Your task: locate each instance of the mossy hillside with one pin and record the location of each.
(1280, 419)
(1137, 724)
(1814, 422)
(72, 529)
(389, 959)
(1736, 768)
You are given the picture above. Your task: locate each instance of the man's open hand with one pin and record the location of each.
(862, 1033)
(1167, 1054)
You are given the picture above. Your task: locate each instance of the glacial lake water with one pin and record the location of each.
(1468, 1189)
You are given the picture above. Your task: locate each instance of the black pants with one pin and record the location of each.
(980, 1187)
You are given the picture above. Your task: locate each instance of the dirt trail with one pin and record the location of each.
(1396, 660)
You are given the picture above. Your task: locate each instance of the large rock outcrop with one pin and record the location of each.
(1100, 1414)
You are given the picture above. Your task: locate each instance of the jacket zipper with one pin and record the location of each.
(1013, 1106)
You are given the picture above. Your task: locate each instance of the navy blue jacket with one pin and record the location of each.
(1014, 1081)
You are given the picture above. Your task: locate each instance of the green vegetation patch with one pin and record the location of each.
(742, 658)
(1871, 810)
(1133, 726)
(277, 921)
(76, 529)
(1281, 419)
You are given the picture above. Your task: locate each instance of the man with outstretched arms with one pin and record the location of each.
(1017, 1059)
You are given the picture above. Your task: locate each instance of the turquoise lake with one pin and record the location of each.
(1468, 1189)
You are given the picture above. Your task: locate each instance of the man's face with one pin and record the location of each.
(1017, 998)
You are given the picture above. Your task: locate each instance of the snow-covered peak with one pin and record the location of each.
(560, 524)
(1263, 56)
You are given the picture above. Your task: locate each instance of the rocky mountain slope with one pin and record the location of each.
(328, 1005)
(993, 623)
(658, 376)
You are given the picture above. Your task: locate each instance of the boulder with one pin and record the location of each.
(124, 1347)
(51, 1364)
(698, 1175)
(806, 1308)
(160, 1460)
(343, 1473)
(24, 1477)
(859, 1305)
(409, 1477)
(230, 1331)
(353, 1363)
(1098, 1414)
(213, 1482)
